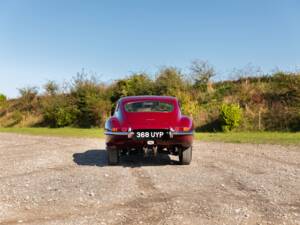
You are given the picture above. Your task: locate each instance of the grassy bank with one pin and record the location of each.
(61, 132)
(284, 138)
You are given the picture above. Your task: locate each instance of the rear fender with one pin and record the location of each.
(112, 122)
(185, 122)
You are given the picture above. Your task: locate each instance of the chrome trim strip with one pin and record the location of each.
(126, 133)
(183, 133)
(115, 133)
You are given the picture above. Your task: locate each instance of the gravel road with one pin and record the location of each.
(51, 180)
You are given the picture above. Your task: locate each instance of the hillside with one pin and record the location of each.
(270, 103)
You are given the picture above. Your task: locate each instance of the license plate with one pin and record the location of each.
(150, 134)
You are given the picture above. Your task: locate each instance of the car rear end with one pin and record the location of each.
(151, 124)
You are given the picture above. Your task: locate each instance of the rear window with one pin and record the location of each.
(149, 106)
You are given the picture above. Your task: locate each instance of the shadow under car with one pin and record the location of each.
(98, 157)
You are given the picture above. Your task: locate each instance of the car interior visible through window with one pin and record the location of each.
(149, 106)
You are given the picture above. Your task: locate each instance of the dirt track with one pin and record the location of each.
(47, 180)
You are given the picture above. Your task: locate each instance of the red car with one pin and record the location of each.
(149, 125)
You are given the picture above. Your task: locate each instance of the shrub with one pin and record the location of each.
(3, 103)
(28, 93)
(136, 84)
(230, 116)
(63, 116)
(17, 116)
(59, 111)
(2, 98)
(13, 119)
(51, 88)
(91, 100)
(28, 99)
(189, 107)
(169, 81)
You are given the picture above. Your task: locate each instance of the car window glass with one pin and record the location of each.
(149, 106)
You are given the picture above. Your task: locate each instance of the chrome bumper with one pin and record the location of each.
(130, 134)
(116, 133)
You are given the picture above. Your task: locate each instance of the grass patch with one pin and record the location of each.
(283, 138)
(60, 132)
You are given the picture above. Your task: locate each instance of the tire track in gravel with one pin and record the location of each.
(152, 206)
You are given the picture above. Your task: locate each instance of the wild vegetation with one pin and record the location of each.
(256, 137)
(250, 102)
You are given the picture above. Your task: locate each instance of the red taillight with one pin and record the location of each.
(116, 129)
(186, 129)
(182, 128)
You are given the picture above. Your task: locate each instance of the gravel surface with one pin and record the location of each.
(50, 180)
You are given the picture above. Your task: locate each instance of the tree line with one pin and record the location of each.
(250, 101)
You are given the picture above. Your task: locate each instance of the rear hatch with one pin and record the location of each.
(150, 114)
(150, 120)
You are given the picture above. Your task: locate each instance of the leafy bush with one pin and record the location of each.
(169, 82)
(269, 102)
(3, 104)
(91, 100)
(63, 116)
(2, 98)
(59, 111)
(136, 84)
(230, 116)
(189, 106)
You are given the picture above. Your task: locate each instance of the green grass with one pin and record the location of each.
(283, 138)
(61, 132)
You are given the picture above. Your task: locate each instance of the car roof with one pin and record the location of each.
(147, 97)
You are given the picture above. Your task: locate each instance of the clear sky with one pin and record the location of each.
(52, 40)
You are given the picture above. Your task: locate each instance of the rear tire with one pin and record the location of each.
(185, 156)
(112, 156)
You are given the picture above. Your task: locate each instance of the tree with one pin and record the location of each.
(51, 88)
(91, 100)
(28, 93)
(28, 98)
(169, 81)
(201, 72)
(136, 84)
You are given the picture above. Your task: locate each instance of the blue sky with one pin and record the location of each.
(52, 40)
